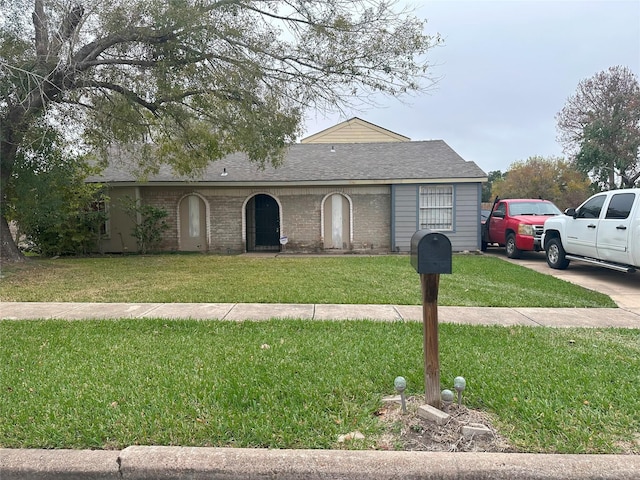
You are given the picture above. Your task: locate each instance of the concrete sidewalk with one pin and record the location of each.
(540, 317)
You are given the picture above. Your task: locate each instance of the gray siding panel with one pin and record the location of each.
(467, 217)
(466, 232)
(405, 215)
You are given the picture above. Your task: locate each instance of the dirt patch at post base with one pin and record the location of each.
(411, 432)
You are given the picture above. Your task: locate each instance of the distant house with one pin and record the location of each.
(354, 187)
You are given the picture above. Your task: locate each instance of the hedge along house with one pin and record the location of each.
(354, 187)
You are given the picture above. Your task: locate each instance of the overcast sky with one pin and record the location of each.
(507, 69)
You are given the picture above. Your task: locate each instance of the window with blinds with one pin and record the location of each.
(436, 207)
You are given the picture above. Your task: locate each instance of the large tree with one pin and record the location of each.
(550, 178)
(186, 82)
(600, 127)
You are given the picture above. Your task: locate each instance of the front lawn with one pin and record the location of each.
(387, 279)
(300, 384)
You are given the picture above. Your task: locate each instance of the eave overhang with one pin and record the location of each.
(307, 183)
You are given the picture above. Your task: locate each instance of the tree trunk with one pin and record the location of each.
(9, 251)
(612, 176)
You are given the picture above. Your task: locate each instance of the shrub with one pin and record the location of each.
(149, 222)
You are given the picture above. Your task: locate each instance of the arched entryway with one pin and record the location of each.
(337, 229)
(262, 214)
(193, 224)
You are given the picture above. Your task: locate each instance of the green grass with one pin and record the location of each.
(296, 384)
(476, 281)
(110, 384)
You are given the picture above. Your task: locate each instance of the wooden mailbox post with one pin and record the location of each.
(431, 256)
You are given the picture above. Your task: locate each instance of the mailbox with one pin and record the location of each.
(430, 252)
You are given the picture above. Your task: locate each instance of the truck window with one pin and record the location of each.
(533, 208)
(592, 208)
(620, 205)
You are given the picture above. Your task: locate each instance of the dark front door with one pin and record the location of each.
(263, 224)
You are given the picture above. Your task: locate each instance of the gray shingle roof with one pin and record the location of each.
(389, 162)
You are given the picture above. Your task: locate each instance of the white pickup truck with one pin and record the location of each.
(604, 230)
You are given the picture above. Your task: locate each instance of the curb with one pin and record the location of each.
(197, 463)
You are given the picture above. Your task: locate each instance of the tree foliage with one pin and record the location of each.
(552, 178)
(187, 82)
(600, 128)
(493, 176)
(49, 200)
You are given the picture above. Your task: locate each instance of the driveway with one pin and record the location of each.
(623, 288)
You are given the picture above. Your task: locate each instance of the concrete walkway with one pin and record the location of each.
(540, 317)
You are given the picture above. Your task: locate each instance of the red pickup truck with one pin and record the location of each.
(517, 224)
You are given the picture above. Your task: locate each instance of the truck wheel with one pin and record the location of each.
(510, 246)
(556, 256)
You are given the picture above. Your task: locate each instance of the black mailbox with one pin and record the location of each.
(430, 252)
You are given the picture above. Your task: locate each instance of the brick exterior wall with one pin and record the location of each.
(226, 223)
(301, 221)
(372, 222)
(301, 216)
(169, 201)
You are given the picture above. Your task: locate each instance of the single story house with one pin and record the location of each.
(354, 187)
